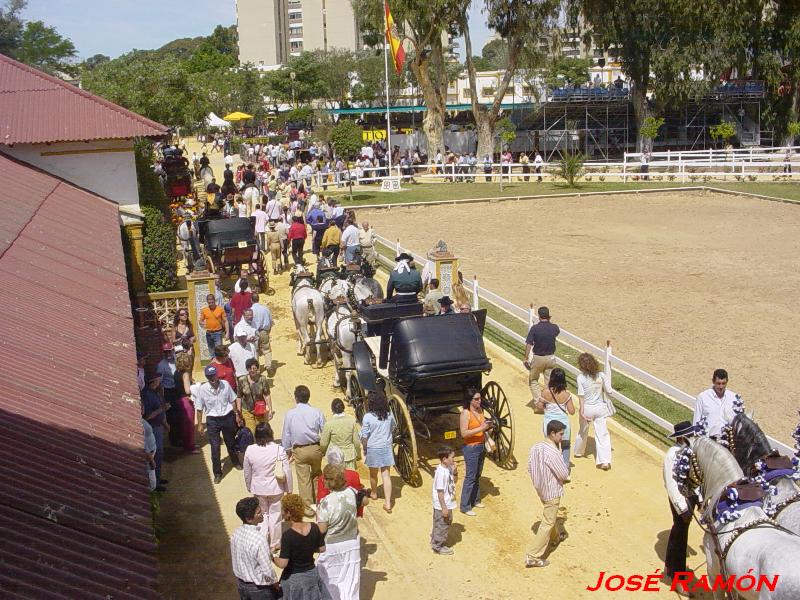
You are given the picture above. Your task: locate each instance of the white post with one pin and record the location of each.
(475, 303)
(531, 318)
(624, 168)
(607, 366)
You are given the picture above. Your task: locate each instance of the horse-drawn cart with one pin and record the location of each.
(424, 365)
(231, 244)
(178, 178)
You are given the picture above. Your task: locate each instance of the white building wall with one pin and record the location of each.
(107, 168)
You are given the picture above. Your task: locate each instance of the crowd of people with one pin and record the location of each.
(320, 558)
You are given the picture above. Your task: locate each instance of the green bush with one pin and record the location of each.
(160, 253)
(650, 127)
(570, 168)
(346, 139)
(151, 192)
(300, 115)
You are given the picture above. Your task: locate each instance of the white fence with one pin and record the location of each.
(672, 168)
(527, 316)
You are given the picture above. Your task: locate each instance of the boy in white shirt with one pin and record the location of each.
(444, 502)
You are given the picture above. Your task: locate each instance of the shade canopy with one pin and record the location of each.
(213, 120)
(237, 116)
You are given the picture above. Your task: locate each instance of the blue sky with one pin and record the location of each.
(114, 27)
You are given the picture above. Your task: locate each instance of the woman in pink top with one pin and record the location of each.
(259, 476)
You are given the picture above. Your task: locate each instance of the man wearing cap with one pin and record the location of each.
(542, 340)
(405, 281)
(446, 306)
(681, 508)
(274, 246)
(154, 412)
(216, 400)
(243, 348)
(717, 405)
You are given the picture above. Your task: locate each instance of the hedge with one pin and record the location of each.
(151, 192)
(160, 254)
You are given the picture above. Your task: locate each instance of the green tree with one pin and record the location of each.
(421, 23)
(507, 131)
(208, 58)
(305, 87)
(650, 127)
(346, 139)
(225, 40)
(482, 64)
(570, 168)
(666, 38)
(11, 25)
(95, 61)
(44, 48)
(723, 131)
(495, 52)
(336, 68)
(566, 70)
(516, 21)
(368, 87)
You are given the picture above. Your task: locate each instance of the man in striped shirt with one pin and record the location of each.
(252, 562)
(548, 473)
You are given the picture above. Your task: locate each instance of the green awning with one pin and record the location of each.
(418, 108)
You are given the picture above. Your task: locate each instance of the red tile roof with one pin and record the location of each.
(74, 502)
(37, 108)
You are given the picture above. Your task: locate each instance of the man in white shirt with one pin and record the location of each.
(681, 507)
(273, 209)
(242, 349)
(350, 243)
(228, 161)
(250, 555)
(716, 404)
(538, 162)
(216, 400)
(444, 501)
(261, 227)
(166, 368)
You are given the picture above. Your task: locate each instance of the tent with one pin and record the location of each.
(238, 116)
(213, 120)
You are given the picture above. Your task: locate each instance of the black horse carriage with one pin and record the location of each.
(231, 244)
(424, 365)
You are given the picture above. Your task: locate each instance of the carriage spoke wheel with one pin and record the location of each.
(210, 262)
(358, 399)
(499, 408)
(404, 443)
(341, 375)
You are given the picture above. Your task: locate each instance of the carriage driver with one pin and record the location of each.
(405, 282)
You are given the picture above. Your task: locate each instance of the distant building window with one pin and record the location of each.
(487, 92)
(528, 90)
(296, 45)
(467, 93)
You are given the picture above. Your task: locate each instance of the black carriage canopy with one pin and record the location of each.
(426, 347)
(227, 233)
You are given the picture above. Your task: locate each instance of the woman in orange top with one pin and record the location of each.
(473, 425)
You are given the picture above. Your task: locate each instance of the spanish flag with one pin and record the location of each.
(393, 38)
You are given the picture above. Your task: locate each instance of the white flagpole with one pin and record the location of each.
(386, 49)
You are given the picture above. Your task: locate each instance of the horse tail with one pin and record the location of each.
(311, 312)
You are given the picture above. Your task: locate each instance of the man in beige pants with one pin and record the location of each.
(542, 340)
(302, 428)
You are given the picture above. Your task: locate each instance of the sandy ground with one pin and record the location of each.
(618, 520)
(682, 283)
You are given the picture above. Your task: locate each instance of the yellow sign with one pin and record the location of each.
(373, 135)
(449, 435)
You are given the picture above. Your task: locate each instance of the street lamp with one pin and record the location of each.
(293, 76)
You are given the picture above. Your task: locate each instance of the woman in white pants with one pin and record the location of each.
(592, 382)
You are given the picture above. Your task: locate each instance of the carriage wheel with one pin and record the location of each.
(499, 408)
(404, 443)
(358, 399)
(341, 376)
(210, 263)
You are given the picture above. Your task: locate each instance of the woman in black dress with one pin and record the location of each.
(300, 579)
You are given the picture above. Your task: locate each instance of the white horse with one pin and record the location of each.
(342, 327)
(749, 542)
(206, 174)
(308, 308)
(251, 198)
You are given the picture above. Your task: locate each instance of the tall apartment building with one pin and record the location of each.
(270, 31)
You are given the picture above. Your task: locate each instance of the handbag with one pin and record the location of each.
(280, 474)
(610, 408)
(259, 405)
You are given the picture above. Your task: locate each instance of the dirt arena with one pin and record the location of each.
(682, 283)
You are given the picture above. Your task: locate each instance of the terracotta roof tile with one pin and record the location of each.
(38, 108)
(74, 502)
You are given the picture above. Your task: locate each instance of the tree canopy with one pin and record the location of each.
(34, 43)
